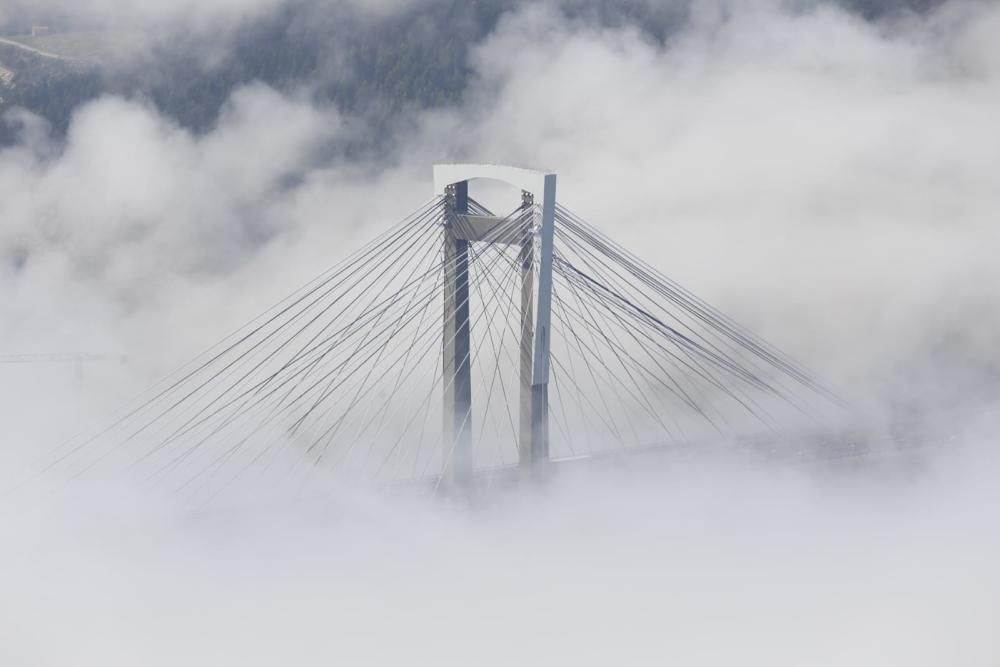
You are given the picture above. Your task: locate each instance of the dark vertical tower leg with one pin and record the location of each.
(457, 354)
(526, 413)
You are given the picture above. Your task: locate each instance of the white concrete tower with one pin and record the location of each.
(462, 228)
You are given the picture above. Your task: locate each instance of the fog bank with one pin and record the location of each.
(826, 179)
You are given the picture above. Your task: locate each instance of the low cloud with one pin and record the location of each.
(826, 179)
(822, 177)
(700, 562)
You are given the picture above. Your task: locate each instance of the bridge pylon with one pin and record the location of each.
(463, 228)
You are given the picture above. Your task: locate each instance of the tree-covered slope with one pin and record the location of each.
(371, 66)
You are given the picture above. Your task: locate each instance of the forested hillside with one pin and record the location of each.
(373, 67)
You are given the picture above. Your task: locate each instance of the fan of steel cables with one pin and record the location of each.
(343, 379)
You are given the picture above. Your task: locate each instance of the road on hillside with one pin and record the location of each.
(39, 52)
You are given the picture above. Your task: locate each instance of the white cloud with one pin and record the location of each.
(825, 179)
(701, 563)
(822, 177)
(828, 180)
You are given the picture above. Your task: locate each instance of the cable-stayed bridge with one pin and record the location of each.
(460, 346)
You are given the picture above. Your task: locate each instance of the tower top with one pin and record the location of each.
(528, 180)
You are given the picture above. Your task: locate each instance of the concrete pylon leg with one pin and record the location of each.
(456, 464)
(536, 255)
(526, 413)
(533, 442)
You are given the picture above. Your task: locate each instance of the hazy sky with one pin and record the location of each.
(829, 181)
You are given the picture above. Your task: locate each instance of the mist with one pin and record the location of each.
(824, 174)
